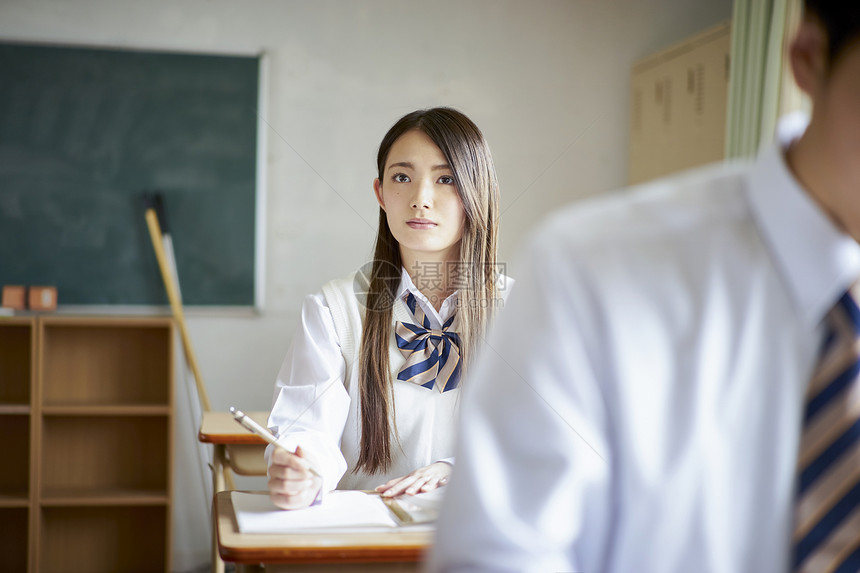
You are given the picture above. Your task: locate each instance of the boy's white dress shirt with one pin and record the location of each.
(641, 406)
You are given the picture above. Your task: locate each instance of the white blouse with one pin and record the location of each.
(314, 408)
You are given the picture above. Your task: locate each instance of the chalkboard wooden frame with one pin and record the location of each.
(85, 132)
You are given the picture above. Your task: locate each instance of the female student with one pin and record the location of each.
(367, 394)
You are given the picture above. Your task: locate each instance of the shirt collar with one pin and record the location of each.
(437, 318)
(818, 261)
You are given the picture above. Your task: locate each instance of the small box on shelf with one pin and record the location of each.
(43, 298)
(14, 297)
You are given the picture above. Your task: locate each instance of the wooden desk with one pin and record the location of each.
(387, 552)
(234, 447)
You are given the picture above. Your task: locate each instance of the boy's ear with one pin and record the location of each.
(377, 190)
(808, 55)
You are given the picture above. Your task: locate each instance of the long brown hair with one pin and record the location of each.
(468, 154)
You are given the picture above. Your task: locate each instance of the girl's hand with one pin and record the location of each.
(421, 480)
(292, 484)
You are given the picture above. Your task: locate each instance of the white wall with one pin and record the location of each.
(546, 80)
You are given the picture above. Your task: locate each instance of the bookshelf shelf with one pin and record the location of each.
(15, 499)
(108, 410)
(21, 409)
(103, 497)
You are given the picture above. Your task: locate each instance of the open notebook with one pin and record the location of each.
(341, 510)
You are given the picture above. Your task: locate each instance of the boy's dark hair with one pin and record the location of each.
(841, 20)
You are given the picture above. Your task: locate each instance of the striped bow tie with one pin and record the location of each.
(432, 356)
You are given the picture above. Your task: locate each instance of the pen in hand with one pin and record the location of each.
(264, 433)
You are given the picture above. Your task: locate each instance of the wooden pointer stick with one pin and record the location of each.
(176, 305)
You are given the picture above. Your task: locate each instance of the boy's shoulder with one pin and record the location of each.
(691, 202)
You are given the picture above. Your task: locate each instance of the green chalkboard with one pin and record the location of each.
(84, 133)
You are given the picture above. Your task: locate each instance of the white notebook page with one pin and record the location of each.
(341, 509)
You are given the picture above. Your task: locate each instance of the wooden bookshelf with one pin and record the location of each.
(86, 407)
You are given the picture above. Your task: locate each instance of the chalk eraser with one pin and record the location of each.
(43, 298)
(14, 296)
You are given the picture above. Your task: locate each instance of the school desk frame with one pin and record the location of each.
(87, 413)
(236, 448)
(398, 550)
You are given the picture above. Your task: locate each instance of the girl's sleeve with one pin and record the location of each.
(311, 403)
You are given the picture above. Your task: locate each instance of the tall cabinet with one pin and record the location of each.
(678, 106)
(86, 416)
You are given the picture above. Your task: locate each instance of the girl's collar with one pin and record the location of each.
(449, 305)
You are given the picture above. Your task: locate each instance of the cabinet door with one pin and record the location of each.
(678, 106)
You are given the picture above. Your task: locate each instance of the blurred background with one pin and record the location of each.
(548, 82)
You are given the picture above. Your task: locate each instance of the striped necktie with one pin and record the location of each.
(432, 356)
(827, 517)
